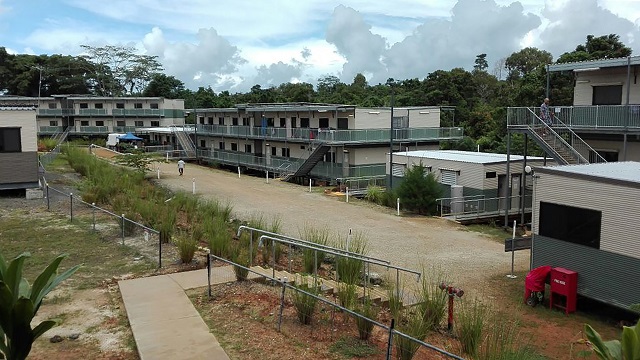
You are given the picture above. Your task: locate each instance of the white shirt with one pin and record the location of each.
(180, 164)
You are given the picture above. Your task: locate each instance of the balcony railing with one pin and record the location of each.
(55, 112)
(92, 112)
(112, 112)
(90, 130)
(613, 117)
(331, 136)
(137, 112)
(124, 129)
(50, 130)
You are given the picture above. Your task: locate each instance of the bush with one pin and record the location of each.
(369, 311)
(433, 300)
(413, 325)
(375, 194)
(239, 256)
(219, 238)
(503, 342)
(349, 269)
(305, 304)
(312, 259)
(470, 325)
(187, 247)
(418, 192)
(347, 294)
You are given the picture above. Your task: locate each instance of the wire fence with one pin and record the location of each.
(293, 292)
(127, 232)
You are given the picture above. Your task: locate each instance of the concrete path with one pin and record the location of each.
(164, 322)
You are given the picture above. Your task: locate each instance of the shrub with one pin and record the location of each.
(628, 348)
(166, 226)
(395, 302)
(432, 300)
(305, 304)
(375, 194)
(219, 238)
(312, 259)
(187, 247)
(503, 341)
(367, 309)
(470, 325)
(239, 257)
(349, 269)
(413, 325)
(347, 294)
(418, 192)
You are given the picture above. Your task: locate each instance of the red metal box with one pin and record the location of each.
(564, 289)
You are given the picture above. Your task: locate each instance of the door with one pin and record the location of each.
(502, 192)
(515, 191)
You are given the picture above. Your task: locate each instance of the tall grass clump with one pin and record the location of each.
(166, 224)
(347, 295)
(219, 237)
(187, 203)
(186, 246)
(305, 304)
(211, 209)
(367, 309)
(470, 325)
(375, 194)
(395, 302)
(503, 341)
(413, 325)
(432, 300)
(47, 143)
(240, 257)
(312, 259)
(349, 269)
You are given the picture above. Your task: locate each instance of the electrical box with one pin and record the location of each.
(564, 289)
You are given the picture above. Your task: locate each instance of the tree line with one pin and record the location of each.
(479, 96)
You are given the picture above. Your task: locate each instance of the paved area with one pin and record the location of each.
(164, 322)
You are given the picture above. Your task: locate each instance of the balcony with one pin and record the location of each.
(92, 112)
(50, 130)
(331, 136)
(598, 117)
(137, 112)
(90, 130)
(124, 129)
(55, 112)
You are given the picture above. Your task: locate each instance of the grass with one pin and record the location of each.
(312, 259)
(433, 300)
(305, 304)
(493, 232)
(49, 235)
(350, 348)
(470, 325)
(349, 269)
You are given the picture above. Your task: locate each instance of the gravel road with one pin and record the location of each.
(469, 258)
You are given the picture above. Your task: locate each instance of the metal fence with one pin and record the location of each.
(46, 159)
(481, 205)
(143, 239)
(286, 321)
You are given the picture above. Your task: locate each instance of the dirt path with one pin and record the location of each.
(470, 258)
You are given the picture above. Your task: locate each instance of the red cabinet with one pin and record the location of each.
(564, 289)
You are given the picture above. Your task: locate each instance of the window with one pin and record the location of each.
(119, 105)
(221, 145)
(221, 121)
(607, 95)
(302, 147)
(10, 140)
(285, 152)
(343, 123)
(84, 123)
(283, 122)
(330, 157)
(609, 156)
(203, 143)
(245, 121)
(99, 123)
(84, 105)
(139, 123)
(234, 121)
(294, 123)
(270, 122)
(121, 123)
(304, 123)
(273, 151)
(53, 105)
(210, 120)
(247, 148)
(234, 146)
(398, 170)
(155, 123)
(572, 224)
(324, 123)
(137, 106)
(98, 105)
(201, 120)
(53, 122)
(153, 105)
(449, 177)
(490, 175)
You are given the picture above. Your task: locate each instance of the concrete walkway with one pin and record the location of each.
(164, 322)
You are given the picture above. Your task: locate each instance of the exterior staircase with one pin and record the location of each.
(185, 142)
(561, 143)
(309, 163)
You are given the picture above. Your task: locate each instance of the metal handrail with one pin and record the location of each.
(573, 134)
(556, 136)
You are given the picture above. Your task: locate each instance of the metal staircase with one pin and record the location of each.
(61, 136)
(185, 142)
(562, 143)
(309, 163)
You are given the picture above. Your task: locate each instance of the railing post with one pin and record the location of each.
(122, 218)
(390, 340)
(284, 286)
(159, 250)
(71, 206)
(209, 275)
(93, 205)
(48, 199)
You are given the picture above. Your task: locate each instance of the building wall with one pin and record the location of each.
(633, 149)
(26, 120)
(20, 167)
(618, 216)
(585, 81)
(380, 118)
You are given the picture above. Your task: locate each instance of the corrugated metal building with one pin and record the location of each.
(18, 147)
(585, 219)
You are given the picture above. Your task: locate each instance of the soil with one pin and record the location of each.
(242, 314)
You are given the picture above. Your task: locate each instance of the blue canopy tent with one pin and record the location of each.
(129, 136)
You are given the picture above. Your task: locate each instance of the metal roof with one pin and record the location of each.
(464, 156)
(595, 64)
(625, 171)
(17, 108)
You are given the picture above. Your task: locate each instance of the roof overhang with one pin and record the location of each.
(593, 65)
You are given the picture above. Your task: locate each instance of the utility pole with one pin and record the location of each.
(39, 82)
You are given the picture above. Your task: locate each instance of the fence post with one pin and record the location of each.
(309, 184)
(71, 206)
(158, 169)
(209, 274)
(398, 206)
(94, 215)
(238, 172)
(159, 249)
(390, 341)
(48, 200)
(347, 194)
(122, 217)
(284, 286)
(267, 176)
(193, 187)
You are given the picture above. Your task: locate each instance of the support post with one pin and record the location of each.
(267, 176)
(347, 194)
(93, 208)
(284, 286)
(238, 172)
(48, 199)
(309, 184)
(513, 240)
(158, 169)
(122, 218)
(547, 91)
(159, 250)
(390, 339)
(507, 203)
(193, 186)
(523, 181)
(391, 143)
(209, 275)
(398, 207)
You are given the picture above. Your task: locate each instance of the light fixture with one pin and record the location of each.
(374, 112)
(528, 169)
(424, 112)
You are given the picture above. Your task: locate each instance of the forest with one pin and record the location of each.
(479, 96)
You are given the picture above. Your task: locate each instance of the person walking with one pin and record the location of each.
(545, 116)
(180, 167)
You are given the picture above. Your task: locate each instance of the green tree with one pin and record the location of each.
(165, 86)
(481, 63)
(523, 62)
(601, 47)
(139, 160)
(19, 303)
(418, 191)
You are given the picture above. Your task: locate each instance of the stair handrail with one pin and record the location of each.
(557, 136)
(579, 138)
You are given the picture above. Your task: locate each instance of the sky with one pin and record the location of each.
(235, 44)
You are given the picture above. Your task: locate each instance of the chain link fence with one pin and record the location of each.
(324, 311)
(127, 232)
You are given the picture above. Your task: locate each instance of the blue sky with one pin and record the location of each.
(234, 44)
